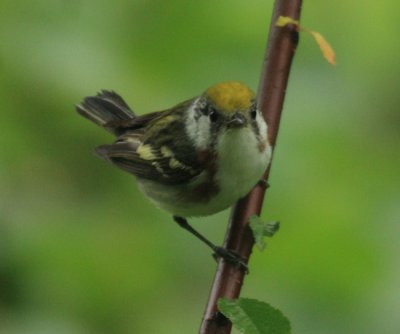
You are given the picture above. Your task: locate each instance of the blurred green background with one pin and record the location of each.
(82, 251)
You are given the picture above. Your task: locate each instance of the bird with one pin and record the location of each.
(194, 159)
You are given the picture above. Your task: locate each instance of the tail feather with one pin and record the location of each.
(106, 107)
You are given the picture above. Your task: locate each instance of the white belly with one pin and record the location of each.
(240, 166)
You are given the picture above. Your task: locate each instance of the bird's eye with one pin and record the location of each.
(213, 115)
(253, 113)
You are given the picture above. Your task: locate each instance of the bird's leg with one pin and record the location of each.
(219, 252)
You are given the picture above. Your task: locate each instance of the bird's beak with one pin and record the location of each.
(237, 120)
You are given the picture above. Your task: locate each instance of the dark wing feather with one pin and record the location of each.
(133, 123)
(155, 147)
(124, 156)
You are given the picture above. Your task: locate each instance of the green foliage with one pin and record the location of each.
(262, 229)
(251, 316)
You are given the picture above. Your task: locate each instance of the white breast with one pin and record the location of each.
(240, 165)
(241, 162)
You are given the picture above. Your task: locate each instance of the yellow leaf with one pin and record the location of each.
(285, 20)
(325, 47)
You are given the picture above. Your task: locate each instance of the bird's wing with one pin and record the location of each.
(155, 147)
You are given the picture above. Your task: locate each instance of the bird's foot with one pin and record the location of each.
(231, 257)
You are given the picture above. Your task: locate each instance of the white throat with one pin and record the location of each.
(241, 163)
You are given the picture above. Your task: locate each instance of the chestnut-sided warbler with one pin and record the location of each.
(195, 159)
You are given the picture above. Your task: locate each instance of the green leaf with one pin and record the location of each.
(285, 20)
(251, 316)
(262, 229)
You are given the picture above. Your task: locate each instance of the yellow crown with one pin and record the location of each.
(231, 96)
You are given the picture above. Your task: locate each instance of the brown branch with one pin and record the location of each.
(281, 47)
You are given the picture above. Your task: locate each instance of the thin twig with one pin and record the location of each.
(281, 46)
